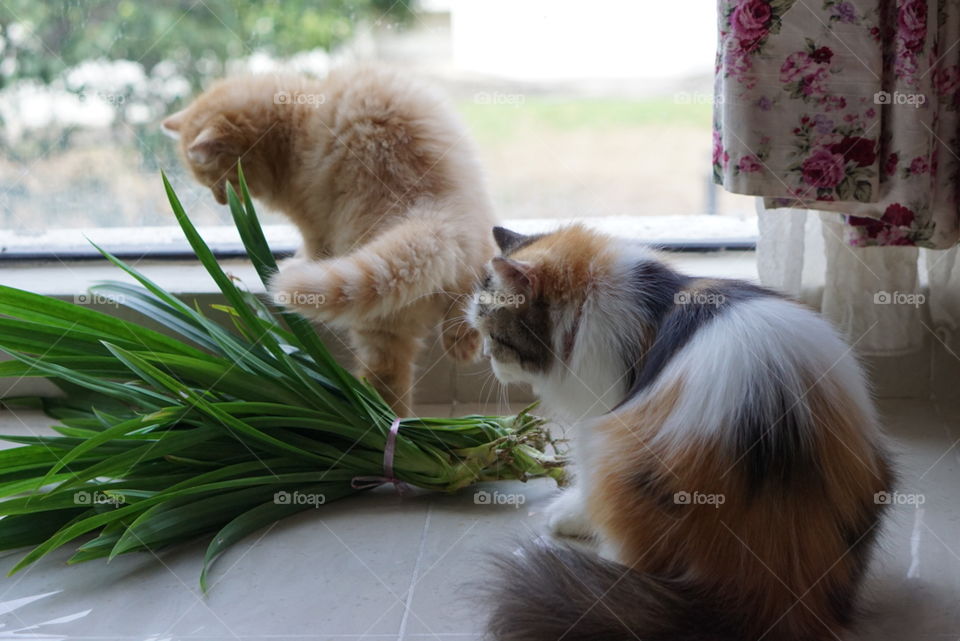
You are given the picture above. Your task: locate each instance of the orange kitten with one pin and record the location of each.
(729, 460)
(384, 185)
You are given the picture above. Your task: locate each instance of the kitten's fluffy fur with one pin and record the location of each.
(384, 185)
(728, 451)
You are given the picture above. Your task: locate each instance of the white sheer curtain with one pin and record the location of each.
(888, 301)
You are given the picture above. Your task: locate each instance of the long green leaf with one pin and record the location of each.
(55, 313)
(192, 432)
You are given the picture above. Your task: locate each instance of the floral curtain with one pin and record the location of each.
(850, 106)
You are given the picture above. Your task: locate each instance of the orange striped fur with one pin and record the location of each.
(383, 184)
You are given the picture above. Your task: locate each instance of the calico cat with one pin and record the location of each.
(728, 454)
(385, 187)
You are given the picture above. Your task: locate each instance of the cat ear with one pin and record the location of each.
(206, 146)
(171, 124)
(506, 239)
(518, 275)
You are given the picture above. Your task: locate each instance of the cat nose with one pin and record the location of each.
(486, 348)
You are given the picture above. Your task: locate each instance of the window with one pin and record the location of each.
(594, 110)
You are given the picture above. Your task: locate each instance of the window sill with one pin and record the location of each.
(442, 381)
(70, 279)
(672, 233)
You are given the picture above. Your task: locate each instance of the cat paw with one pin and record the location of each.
(566, 516)
(294, 287)
(463, 343)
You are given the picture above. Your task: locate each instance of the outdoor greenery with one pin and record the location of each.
(494, 123)
(168, 51)
(43, 39)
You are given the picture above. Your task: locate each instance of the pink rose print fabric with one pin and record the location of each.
(850, 106)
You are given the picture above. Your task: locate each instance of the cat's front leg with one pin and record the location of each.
(567, 515)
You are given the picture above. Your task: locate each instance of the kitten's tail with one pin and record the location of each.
(545, 593)
(415, 258)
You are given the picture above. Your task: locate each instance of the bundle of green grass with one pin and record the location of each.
(207, 430)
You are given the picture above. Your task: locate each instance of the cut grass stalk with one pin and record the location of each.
(208, 430)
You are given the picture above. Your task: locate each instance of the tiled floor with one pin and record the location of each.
(382, 567)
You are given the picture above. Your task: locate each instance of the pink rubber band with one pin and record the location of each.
(364, 482)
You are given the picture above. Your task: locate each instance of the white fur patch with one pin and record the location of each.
(595, 381)
(750, 351)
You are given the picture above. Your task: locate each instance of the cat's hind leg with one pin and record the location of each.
(387, 358)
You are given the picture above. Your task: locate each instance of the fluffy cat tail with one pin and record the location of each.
(545, 592)
(414, 258)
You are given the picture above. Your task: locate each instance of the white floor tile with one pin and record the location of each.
(383, 567)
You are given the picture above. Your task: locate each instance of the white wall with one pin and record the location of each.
(566, 39)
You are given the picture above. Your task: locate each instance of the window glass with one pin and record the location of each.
(579, 109)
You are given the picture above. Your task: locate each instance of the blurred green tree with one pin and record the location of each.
(40, 39)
